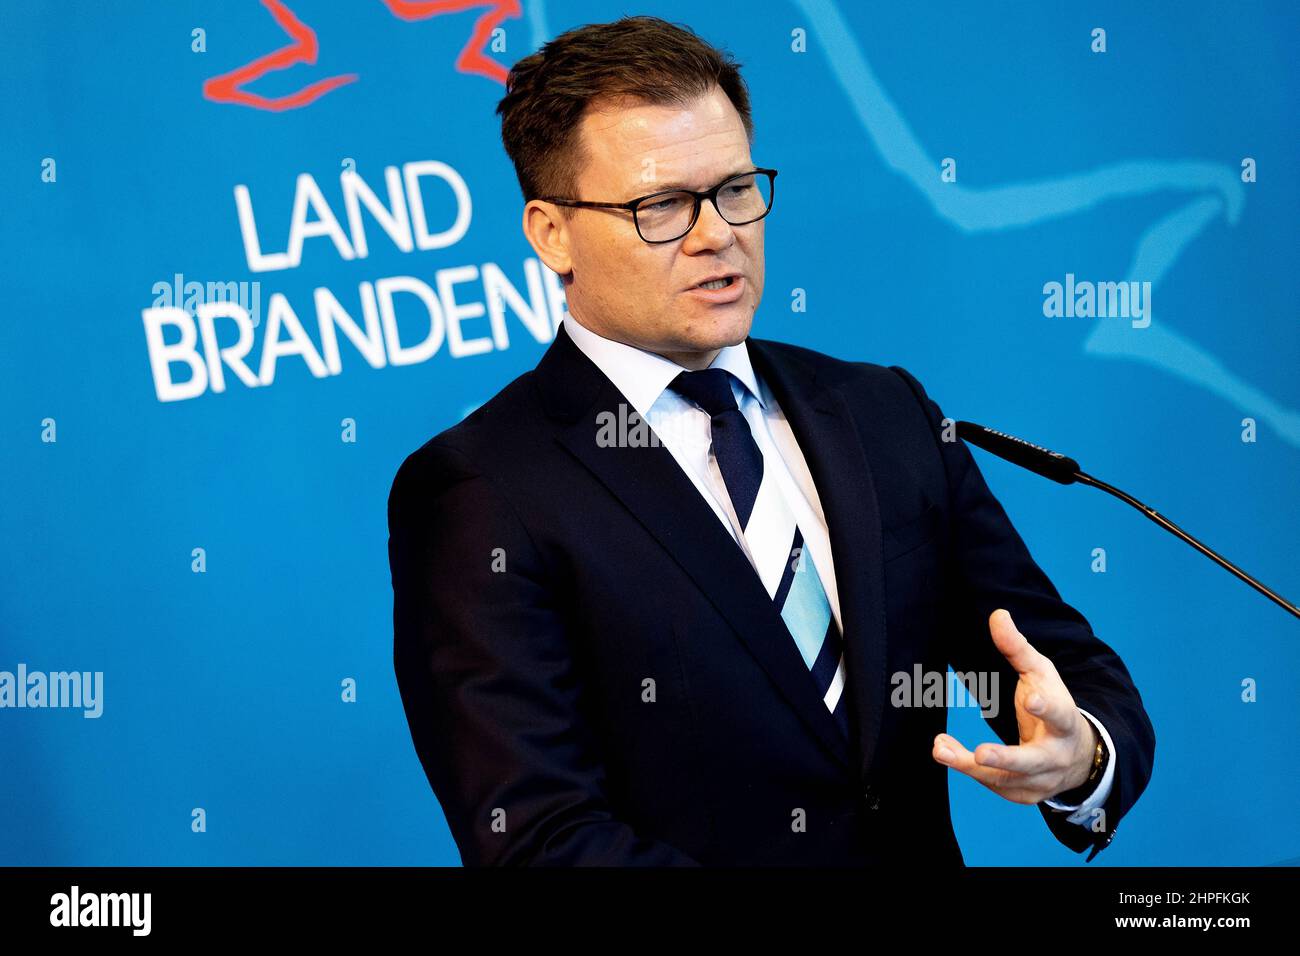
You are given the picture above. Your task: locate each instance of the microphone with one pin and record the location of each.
(1066, 471)
(1039, 460)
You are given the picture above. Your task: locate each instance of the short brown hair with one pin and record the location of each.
(644, 58)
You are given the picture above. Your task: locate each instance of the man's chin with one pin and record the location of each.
(728, 333)
(700, 342)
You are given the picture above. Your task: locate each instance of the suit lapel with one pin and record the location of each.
(821, 420)
(653, 487)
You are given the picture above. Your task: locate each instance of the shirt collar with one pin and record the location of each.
(642, 376)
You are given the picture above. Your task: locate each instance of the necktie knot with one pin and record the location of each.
(708, 388)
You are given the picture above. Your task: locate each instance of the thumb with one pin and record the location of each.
(1014, 646)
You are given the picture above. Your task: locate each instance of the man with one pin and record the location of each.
(655, 600)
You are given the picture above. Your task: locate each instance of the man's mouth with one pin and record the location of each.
(717, 283)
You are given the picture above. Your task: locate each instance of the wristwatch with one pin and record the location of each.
(1100, 757)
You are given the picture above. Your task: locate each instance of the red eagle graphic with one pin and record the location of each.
(229, 87)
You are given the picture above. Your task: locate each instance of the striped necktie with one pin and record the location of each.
(784, 564)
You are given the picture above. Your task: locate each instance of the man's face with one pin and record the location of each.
(645, 294)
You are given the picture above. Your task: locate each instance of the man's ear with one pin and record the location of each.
(548, 234)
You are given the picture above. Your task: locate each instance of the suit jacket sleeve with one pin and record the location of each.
(992, 568)
(488, 679)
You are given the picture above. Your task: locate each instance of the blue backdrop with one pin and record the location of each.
(219, 553)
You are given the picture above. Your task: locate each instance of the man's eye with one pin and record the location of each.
(667, 204)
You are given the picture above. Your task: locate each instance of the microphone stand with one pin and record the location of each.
(1168, 525)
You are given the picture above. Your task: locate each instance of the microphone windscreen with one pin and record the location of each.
(1039, 460)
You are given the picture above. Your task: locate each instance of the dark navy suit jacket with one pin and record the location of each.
(593, 673)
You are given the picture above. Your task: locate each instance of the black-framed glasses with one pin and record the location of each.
(670, 214)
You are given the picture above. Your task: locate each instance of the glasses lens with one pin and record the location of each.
(745, 198)
(665, 217)
(741, 200)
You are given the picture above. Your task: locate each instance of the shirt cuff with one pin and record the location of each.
(1082, 813)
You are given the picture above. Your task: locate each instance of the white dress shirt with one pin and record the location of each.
(685, 430)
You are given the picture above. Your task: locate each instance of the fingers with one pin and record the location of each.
(1052, 704)
(949, 751)
(1019, 787)
(1023, 759)
(1044, 694)
(1013, 645)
